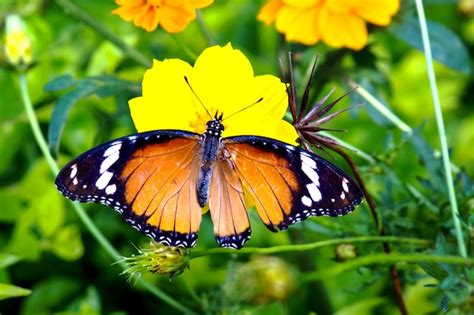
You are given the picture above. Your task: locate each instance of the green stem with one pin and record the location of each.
(78, 13)
(87, 221)
(441, 130)
(204, 29)
(377, 259)
(309, 246)
(381, 108)
(185, 48)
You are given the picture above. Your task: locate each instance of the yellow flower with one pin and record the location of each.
(223, 79)
(338, 23)
(17, 42)
(172, 15)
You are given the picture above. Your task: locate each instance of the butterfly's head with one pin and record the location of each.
(215, 127)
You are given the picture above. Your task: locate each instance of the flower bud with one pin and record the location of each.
(262, 280)
(158, 259)
(345, 252)
(18, 49)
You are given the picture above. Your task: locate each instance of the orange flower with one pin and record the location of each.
(338, 23)
(172, 15)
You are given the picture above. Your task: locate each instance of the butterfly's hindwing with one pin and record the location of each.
(148, 177)
(289, 184)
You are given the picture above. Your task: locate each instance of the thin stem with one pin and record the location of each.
(309, 246)
(82, 214)
(204, 28)
(185, 48)
(441, 130)
(35, 125)
(78, 13)
(377, 259)
(381, 108)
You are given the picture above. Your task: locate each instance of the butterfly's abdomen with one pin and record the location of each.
(209, 152)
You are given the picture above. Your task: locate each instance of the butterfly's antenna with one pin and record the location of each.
(192, 90)
(246, 107)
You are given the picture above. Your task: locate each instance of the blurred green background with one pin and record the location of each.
(45, 248)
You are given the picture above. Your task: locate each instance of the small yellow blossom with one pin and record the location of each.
(17, 42)
(172, 15)
(338, 23)
(223, 79)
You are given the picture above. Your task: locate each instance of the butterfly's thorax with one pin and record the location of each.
(211, 142)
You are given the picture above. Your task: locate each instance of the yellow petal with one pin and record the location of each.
(166, 102)
(272, 107)
(342, 5)
(221, 78)
(269, 11)
(149, 18)
(301, 3)
(377, 11)
(343, 30)
(174, 18)
(299, 24)
(128, 13)
(199, 4)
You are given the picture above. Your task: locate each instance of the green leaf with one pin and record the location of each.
(61, 110)
(67, 243)
(102, 86)
(60, 83)
(49, 295)
(434, 270)
(446, 45)
(431, 161)
(365, 306)
(8, 291)
(24, 241)
(8, 260)
(357, 100)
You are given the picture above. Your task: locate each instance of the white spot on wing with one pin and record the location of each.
(308, 161)
(314, 192)
(306, 201)
(109, 161)
(73, 171)
(311, 173)
(111, 150)
(343, 195)
(103, 180)
(344, 185)
(74, 181)
(109, 190)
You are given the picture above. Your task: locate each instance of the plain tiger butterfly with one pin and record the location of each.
(160, 181)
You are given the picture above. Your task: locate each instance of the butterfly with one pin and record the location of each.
(161, 180)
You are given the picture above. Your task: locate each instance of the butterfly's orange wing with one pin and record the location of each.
(287, 184)
(150, 178)
(227, 206)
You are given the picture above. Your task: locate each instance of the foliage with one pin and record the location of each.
(87, 64)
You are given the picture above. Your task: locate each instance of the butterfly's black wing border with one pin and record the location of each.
(305, 164)
(90, 162)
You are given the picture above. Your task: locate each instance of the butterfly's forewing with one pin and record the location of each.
(288, 184)
(227, 206)
(150, 178)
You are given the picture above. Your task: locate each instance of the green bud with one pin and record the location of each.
(157, 259)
